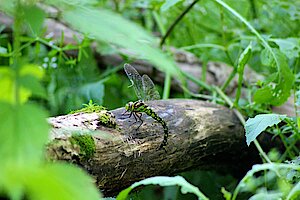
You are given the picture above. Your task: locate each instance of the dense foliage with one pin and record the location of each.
(39, 76)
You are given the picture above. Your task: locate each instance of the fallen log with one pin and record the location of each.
(202, 135)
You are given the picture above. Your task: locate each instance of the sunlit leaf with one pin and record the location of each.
(23, 132)
(50, 181)
(60, 182)
(164, 181)
(254, 126)
(27, 83)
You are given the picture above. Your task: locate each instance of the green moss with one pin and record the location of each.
(89, 108)
(107, 119)
(86, 144)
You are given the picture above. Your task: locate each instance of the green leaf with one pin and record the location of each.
(254, 126)
(61, 182)
(267, 58)
(8, 83)
(277, 94)
(34, 16)
(267, 195)
(23, 132)
(164, 181)
(168, 4)
(243, 59)
(295, 192)
(32, 83)
(94, 91)
(112, 28)
(289, 46)
(227, 195)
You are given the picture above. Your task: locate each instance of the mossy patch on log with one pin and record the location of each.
(86, 144)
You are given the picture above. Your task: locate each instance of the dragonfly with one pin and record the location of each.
(145, 91)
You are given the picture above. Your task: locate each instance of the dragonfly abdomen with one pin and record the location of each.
(148, 110)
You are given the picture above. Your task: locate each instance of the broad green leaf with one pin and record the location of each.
(254, 126)
(104, 25)
(34, 16)
(243, 59)
(31, 69)
(33, 85)
(168, 4)
(50, 181)
(23, 132)
(289, 46)
(26, 85)
(94, 91)
(8, 87)
(60, 182)
(277, 94)
(164, 181)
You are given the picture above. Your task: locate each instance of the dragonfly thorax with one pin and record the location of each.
(129, 106)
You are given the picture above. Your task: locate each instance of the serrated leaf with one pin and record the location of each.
(23, 132)
(168, 4)
(254, 126)
(164, 181)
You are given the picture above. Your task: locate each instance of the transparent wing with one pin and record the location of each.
(149, 89)
(136, 81)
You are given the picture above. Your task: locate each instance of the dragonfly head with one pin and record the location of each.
(129, 106)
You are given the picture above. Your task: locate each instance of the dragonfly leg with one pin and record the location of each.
(139, 116)
(126, 114)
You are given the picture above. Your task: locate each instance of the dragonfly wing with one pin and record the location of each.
(136, 80)
(149, 89)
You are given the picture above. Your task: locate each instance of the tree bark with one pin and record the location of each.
(201, 135)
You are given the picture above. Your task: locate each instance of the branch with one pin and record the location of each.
(201, 135)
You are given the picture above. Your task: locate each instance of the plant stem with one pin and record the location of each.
(242, 120)
(167, 86)
(197, 81)
(16, 47)
(176, 22)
